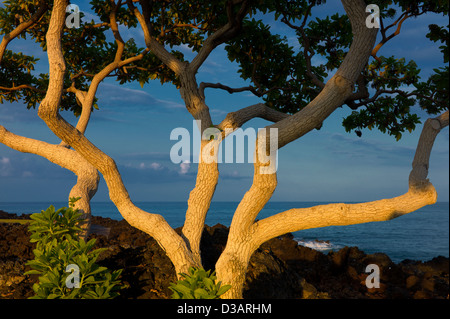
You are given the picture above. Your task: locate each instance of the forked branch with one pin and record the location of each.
(7, 38)
(222, 35)
(87, 176)
(154, 46)
(235, 120)
(153, 224)
(421, 193)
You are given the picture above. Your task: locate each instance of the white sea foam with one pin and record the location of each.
(319, 245)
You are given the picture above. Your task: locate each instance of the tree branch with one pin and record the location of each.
(230, 90)
(256, 91)
(21, 87)
(335, 92)
(87, 98)
(234, 120)
(222, 35)
(43, 6)
(340, 87)
(421, 162)
(198, 204)
(342, 214)
(385, 39)
(193, 96)
(208, 174)
(399, 22)
(308, 53)
(421, 193)
(153, 224)
(367, 100)
(155, 47)
(87, 176)
(242, 239)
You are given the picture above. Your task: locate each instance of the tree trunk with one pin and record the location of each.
(245, 235)
(87, 176)
(153, 224)
(243, 241)
(198, 206)
(231, 268)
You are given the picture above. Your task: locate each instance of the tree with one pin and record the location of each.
(296, 99)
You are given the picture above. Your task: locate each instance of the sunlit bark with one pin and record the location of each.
(245, 234)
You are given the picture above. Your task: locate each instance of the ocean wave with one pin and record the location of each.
(319, 245)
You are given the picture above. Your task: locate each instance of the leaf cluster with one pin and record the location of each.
(286, 77)
(55, 233)
(198, 284)
(389, 112)
(329, 37)
(15, 12)
(388, 89)
(89, 49)
(82, 50)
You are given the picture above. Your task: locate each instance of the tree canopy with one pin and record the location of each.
(286, 79)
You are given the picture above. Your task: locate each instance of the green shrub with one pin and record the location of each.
(198, 284)
(66, 264)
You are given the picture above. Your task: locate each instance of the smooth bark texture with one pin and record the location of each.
(153, 224)
(198, 204)
(241, 244)
(421, 162)
(421, 193)
(87, 176)
(333, 95)
(235, 120)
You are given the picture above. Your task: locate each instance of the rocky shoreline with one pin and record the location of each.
(279, 269)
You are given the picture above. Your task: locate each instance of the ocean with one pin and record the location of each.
(421, 235)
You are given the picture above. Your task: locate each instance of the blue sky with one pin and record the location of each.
(134, 125)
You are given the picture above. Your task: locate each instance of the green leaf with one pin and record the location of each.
(175, 295)
(96, 271)
(57, 245)
(200, 293)
(209, 284)
(33, 272)
(223, 290)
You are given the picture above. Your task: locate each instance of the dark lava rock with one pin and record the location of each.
(280, 268)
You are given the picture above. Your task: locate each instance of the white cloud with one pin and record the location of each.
(293, 42)
(120, 93)
(184, 167)
(156, 166)
(27, 174)
(5, 167)
(15, 113)
(170, 104)
(88, 17)
(122, 97)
